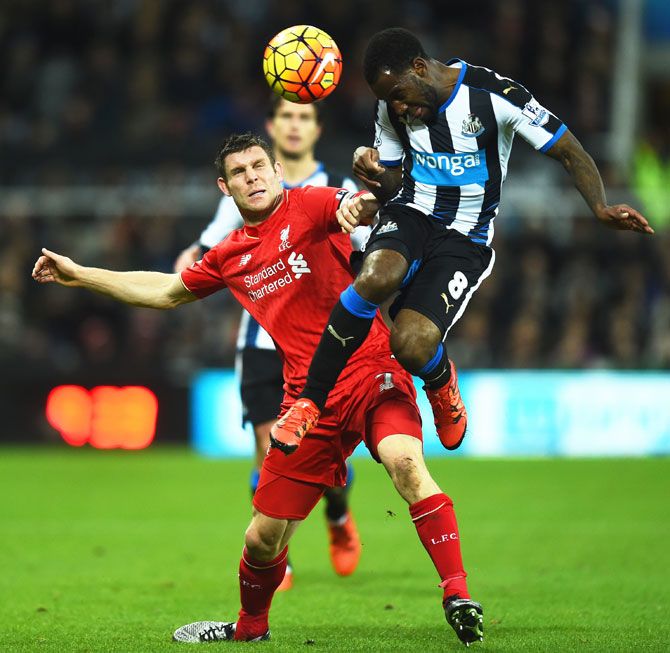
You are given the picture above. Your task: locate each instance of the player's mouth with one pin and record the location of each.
(256, 193)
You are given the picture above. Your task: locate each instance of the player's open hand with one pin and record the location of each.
(366, 166)
(54, 267)
(357, 210)
(622, 216)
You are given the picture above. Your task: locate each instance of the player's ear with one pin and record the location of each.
(223, 186)
(279, 171)
(420, 66)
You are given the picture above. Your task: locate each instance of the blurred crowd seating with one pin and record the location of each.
(136, 91)
(576, 298)
(100, 91)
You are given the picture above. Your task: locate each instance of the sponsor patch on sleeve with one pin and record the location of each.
(536, 114)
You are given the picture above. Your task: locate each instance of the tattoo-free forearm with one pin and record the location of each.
(582, 168)
(147, 289)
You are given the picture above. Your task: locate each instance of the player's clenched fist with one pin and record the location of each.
(366, 166)
(54, 267)
(360, 209)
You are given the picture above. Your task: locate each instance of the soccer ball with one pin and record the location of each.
(302, 64)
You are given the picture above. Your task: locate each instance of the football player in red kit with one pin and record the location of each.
(287, 266)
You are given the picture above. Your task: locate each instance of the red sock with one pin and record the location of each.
(436, 525)
(258, 583)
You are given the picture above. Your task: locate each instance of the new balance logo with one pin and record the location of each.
(388, 227)
(245, 259)
(283, 235)
(298, 265)
(337, 336)
(387, 383)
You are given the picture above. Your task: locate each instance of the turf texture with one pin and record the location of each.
(111, 551)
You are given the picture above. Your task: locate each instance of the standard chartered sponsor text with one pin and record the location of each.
(274, 270)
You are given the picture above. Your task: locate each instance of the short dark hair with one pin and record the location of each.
(276, 100)
(240, 143)
(391, 49)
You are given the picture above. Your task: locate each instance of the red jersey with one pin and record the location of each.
(288, 272)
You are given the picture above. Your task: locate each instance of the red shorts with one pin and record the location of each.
(283, 497)
(378, 400)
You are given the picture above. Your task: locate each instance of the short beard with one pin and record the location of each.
(431, 100)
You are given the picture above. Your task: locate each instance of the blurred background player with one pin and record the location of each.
(294, 130)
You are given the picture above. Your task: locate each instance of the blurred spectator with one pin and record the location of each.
(107, 94)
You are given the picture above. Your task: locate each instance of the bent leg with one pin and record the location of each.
(262, 569)
(349, 323)
(431, 510)
(280, 504)
(402, 456)
(416, 342)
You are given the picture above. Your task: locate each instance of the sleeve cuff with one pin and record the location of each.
(547, 146)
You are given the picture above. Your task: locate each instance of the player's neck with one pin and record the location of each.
(255, 218)
(296, 170)
(447, 78)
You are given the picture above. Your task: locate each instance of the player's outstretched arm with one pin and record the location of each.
(148, 289)
(581, 167)
(383, 181)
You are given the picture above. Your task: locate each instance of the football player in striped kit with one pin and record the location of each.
(443, 137)
(294, 130)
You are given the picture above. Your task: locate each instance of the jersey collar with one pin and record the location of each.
(450, 99)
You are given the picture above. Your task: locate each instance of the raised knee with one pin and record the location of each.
(411, 350)
(380, 276)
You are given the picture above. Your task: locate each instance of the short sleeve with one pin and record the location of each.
(528, 118)
(321, 203)
(226, 219)
(387, 141)
(204, 277)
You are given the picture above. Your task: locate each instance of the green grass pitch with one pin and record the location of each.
(111, 551)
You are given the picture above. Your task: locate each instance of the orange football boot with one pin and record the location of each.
(345, 546)
(451, 418)
(287, 582)
(287, 433)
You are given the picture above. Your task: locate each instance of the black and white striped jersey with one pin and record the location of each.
(228, 218)
(454, 168)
